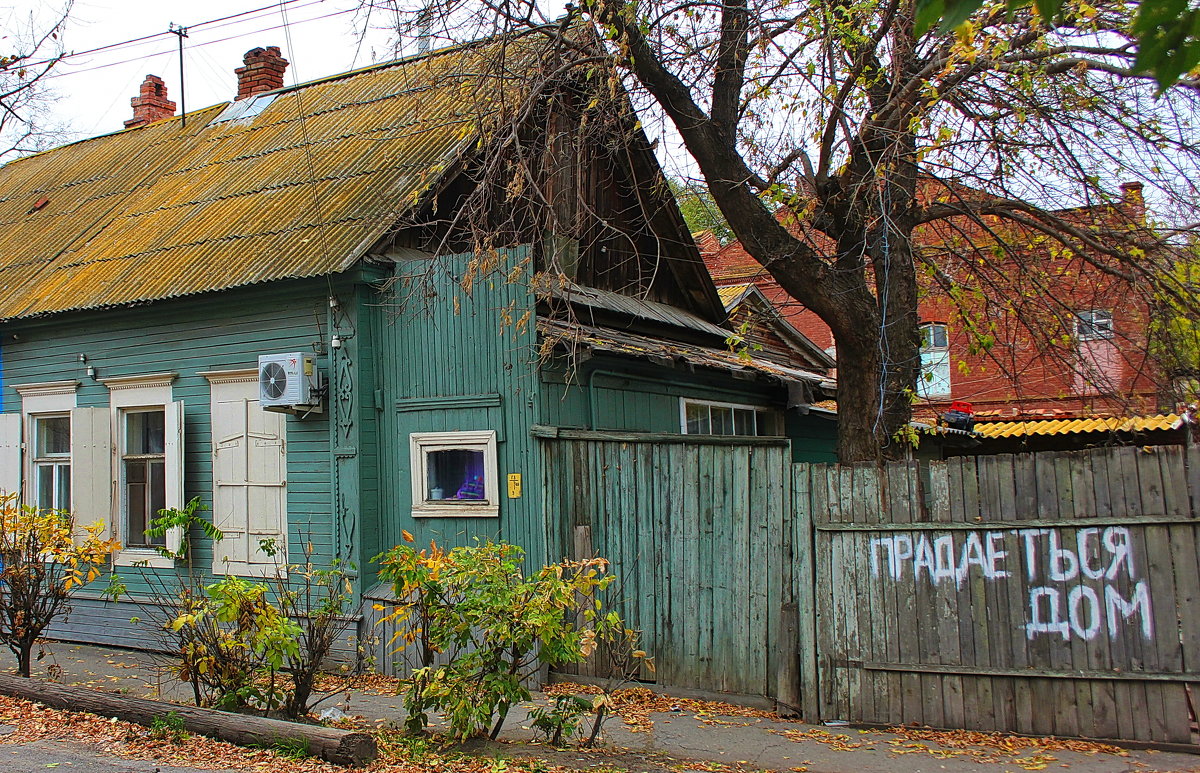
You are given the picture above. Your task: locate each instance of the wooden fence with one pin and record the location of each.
(1038, 593)
(1054, 593)
(698, 533)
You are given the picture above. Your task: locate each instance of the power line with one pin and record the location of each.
(53, 75)
(265, 11)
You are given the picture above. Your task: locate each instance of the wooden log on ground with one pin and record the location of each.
(343, 747)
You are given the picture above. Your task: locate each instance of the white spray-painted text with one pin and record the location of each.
(1056, 565)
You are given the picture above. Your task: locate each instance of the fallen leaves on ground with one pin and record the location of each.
(371, 683)
(37, 722)
(1025, 752)
(1003, 742)
(634, 705)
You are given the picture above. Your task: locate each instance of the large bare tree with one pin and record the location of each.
(31, 47)
(877, 142)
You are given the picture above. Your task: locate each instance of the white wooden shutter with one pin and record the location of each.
(92, 479)
(249, 471)
(174, 468)
(10, 453)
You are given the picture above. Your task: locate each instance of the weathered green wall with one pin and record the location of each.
(188, 336)
(813, 436)
(621, 394)
(473, 350)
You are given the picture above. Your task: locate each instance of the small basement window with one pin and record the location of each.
(704, 417)
(454, 474)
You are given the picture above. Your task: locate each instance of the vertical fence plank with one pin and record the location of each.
(843, 575)
(803, 517)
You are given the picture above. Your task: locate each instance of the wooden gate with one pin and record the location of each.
(1053, 593)
(698, 530)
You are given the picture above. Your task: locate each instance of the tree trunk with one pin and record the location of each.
(860, 386)
(342, 747)
(25, 657)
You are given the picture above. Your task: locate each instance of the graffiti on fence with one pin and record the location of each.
(1081, 581)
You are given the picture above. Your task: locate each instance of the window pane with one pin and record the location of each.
(1094, 323)
(762, 423)
(45, 486)
(935, 375)
(697, 419)
(53, 435)
(455, 474)
(722, 420)
(135, 502)
(143, 499)
(135, 471)
(63, 472)
(145, 432)
(743, 421)
(157, 491)
(934, 337)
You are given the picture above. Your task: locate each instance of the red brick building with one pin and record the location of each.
(1090, 355)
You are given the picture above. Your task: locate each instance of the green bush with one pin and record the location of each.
(494, 626)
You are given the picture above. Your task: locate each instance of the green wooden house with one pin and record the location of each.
(143, 274)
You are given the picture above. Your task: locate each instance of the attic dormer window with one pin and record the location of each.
(245, 110)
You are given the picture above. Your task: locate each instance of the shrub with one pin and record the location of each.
(493, 625)
(246, 645)
(41, 560)
(232, 644)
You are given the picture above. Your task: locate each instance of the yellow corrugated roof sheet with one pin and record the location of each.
(732, 293)
(1003, 429)
(303, 189)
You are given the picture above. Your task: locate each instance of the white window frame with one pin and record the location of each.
(934, 356)
(1088, 318)
(60, 464)
(43, 400)
(419, 446)
(129, 394)
(771, 414)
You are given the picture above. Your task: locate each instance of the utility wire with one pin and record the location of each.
(193, 47)
(157, 35)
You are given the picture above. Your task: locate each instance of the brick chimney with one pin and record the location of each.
(263, 71)
(1133, 200)
(151, 103)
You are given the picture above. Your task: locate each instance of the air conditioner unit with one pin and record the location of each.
(287, 381)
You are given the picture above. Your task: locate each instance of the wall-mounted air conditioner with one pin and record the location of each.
(288, 382)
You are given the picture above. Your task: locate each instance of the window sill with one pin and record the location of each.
(456, 511)
(141, 557)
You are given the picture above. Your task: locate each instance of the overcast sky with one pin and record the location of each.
(93, 89)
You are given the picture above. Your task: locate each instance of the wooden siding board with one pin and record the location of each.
(189, 336)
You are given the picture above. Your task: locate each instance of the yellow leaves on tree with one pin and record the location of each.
(42, 558)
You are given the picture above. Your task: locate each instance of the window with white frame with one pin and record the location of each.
(705, 417)
(45, 426)
(51, 463)
(147, 443)
(1098, 366)
(454, 474)
(143, 474)
(934, 381)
